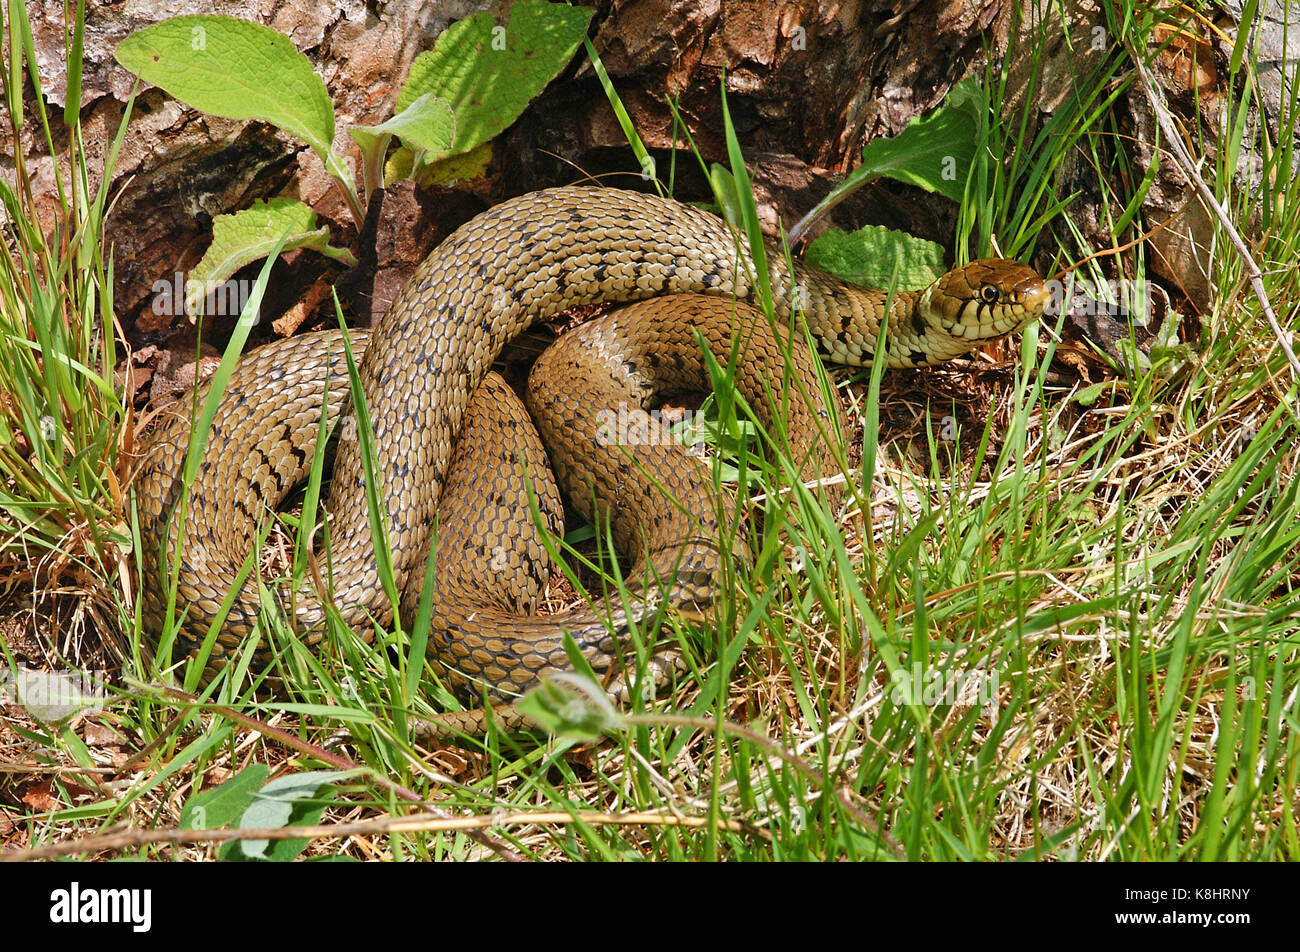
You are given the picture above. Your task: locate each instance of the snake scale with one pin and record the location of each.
(517, 263)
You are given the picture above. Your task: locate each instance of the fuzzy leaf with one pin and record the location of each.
(934, 151)
(871, 256)
(236, 69)
(248, 236)
(285, 801)
(223, 805)
(489, 73)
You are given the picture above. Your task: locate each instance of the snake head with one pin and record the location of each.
(986, 299)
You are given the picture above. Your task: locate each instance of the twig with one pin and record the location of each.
(381, 825)
(342, 763)
(1184, 161)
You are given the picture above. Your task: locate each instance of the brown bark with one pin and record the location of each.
(808, 84)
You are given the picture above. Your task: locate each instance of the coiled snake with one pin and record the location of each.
(522, 261)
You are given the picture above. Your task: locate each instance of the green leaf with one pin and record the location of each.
(490, 73)
(1090, 395)
(249, 235)
(223, 805)
(193, 459)
(724, 190)
(76, 52)
(427, 124)
(52, 697)
(465, 167)
(400, 165)
(567, 704)
(236, 69)
(934, 152)
(285, 801)
(282, 851)
(871, 257)
(644, 159)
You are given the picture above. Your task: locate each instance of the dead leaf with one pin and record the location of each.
(96, 734)
(40, 797)
(292, 319)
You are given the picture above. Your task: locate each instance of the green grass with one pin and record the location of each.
(63, 416)
(1047, 621)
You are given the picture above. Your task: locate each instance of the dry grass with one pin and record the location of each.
(1119, 566)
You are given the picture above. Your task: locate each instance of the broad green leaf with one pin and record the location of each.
(236, 69)
(871, 256)
(489, 73)
(567, 704)
(1089, 395)
(52, 697)
(282, 851)
(223, 805)
(426, 124)
(249, 235)
(465, 167)
(279, 802)
(934, 152)
(400, 165)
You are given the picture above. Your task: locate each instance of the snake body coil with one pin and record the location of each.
(517, 263)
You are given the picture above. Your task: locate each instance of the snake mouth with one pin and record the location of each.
(1028, 295)
(1032, 306)
(1033, 295)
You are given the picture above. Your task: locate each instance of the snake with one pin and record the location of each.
(426, 366)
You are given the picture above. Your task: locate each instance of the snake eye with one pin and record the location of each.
(989, 294)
